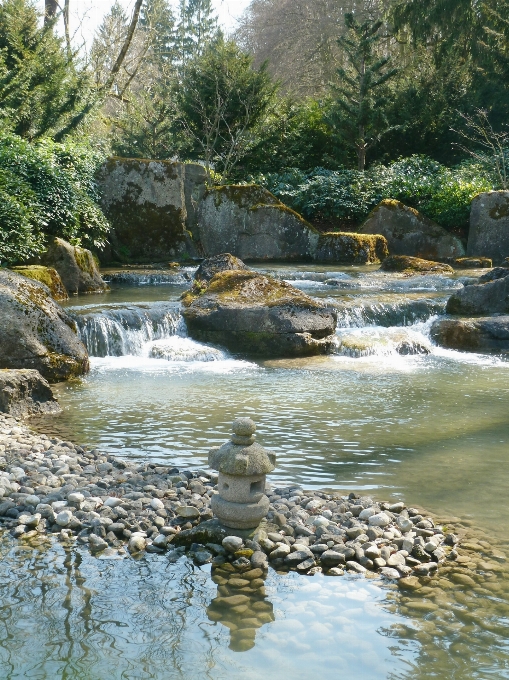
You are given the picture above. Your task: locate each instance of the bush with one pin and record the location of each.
(47, 189)
(443, 194)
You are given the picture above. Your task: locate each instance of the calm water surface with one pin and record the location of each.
(429, 426)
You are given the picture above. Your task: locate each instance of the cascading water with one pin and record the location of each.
(127, 330)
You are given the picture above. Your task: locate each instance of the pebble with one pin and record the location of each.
(232, 543)
(188, 512)
(137, 543)
(63, 518)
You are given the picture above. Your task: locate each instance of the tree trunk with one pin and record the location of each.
(125, 47)
(50, 10)
(66, 29)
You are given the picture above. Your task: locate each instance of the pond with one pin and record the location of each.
(389, 414)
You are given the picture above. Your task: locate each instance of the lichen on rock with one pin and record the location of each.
(351, 248)
(414, 265)
(76, 266)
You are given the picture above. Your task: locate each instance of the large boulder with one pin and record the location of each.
(76, 266)
(252, 224)
(408, 232)
(350, 248)
(249, 313)
(35, 332)
(414, 265)
(24, 392)
(474, 335)
(489, 296)
(148, 204)
(489, 226)
(47, 275)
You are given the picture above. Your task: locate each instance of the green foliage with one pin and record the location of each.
(359, 113)
(40, 89)
(221, 101)
(47, 189)
(443, 194)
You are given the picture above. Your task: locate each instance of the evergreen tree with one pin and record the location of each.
(197, 26)
(358, 114)
(40, 88)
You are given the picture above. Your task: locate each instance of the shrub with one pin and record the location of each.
(443, 194)
(47, 189)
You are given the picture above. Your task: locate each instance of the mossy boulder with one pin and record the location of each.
(489, 226)
(489, 296)
(24, 392)
(472, 263)
(414, 265)
(252, 224)
(148, 204)
(484, 334)
(76, 267)
(214, 265)
(351, 248)
(408, 232)
(47, 275)
(35, 332)
(252, 314)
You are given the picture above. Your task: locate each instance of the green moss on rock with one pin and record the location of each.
(47, 275)
(351, 248)
(414, 265)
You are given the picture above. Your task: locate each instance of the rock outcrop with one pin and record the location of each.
(47, 275)
(489, 226)
(408, 232)
(252, 314)
(35, 332)
(147, 204)
(350, 248)
(251, 223)
(489, 296)
(24, 392)
(161, 210)
(76, 267)
(414, 265)
(472, 263)
(480, 334)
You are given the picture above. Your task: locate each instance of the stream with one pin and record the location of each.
(388, 414)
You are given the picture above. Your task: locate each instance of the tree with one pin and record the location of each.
(221, 101)
(40, 91)
(196, 27)
(358, 114)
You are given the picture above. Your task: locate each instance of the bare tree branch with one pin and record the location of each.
(125, 47)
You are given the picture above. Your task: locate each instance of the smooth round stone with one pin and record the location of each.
(137, 543)
(335, 571)
(33, 520)
(76, 497)
(321, 522)
(112, 502)
(404, 524)
(410, 583)
(157, 504)
(187, 511)
(379, 520)
(244, 427)
(31, 499)
(96, 543)
(232, 543)
(160, 541)
(389, 573)
(59, 505)
(63, 518)
(281, 551)
(367, 513)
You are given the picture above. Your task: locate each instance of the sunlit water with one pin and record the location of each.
(388, 414)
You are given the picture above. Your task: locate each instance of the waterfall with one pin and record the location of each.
(127, 330)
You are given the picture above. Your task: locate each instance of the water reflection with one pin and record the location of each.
(241, 604)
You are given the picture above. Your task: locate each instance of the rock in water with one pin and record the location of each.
(408, 232)
(479, 334)
(489, 296)
(35, 332)
(254, 314)
(76, 266)
(25, 392)
(414, 265)
(219, 263)
(489, 226)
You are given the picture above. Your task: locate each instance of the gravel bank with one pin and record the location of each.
(54, 487)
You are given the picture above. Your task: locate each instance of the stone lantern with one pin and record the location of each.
(242, 465)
